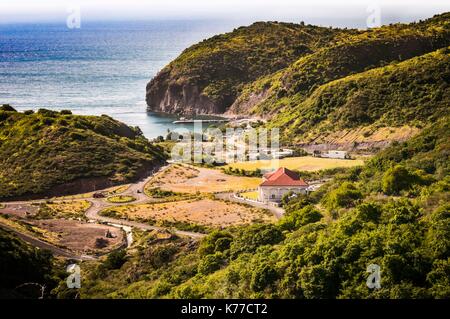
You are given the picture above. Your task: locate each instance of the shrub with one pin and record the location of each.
(216, 241)
(115, 260)
(298, 218)
(253, 236)
(398, 178)
(342, 197)
(263, 276)
(161, 255)
(210, 264)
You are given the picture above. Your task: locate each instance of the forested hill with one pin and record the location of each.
(52, 153)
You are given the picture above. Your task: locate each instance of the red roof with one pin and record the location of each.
(283, 177)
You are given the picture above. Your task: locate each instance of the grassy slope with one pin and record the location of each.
(41, 151)
(311, 255)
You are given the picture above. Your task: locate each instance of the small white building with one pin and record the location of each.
(283, 153)
(275, 185)
(336, 154)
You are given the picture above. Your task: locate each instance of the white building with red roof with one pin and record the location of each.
(276, 184)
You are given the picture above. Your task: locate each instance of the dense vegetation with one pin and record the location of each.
(414, 92)
(24, 269)
(353, 54)
(43, 151)
(324, 244)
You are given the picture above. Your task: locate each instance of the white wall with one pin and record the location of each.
(266, 192)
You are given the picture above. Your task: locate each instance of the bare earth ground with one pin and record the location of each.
(81, 237)
(207, 212)
(19, 210)
(188, 179)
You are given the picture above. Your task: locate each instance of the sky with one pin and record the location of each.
(323, 12)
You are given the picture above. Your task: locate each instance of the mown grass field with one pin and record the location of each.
(305, 163)
(250, 195)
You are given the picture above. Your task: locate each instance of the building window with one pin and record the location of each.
(272, 196)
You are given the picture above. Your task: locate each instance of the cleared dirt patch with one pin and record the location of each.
(206, 212)
(77, 236)
(187, 179)
(19, 210)
(84, 238)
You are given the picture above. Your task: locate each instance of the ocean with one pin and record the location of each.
(100, 68)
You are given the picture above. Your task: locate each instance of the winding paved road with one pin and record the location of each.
(137, 191)
(97, 205)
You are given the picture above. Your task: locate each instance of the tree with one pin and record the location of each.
(344, 196)
(298, 218)
(216, 241)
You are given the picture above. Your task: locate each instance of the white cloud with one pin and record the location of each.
(29, 10)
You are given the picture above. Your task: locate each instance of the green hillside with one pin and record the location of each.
(207, 77)
(394, 213)
(50, 153)
(413, 92)
(360, 52)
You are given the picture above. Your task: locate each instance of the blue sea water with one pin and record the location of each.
(101, 68)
